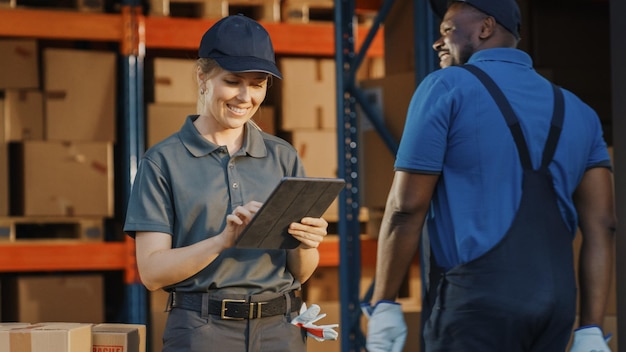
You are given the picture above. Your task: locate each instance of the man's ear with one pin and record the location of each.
(488, 27)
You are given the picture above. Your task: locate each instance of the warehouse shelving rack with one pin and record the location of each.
(348, 60)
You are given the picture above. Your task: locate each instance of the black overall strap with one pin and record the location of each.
(512, 121)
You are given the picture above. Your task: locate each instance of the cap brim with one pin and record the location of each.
(248, 64)
(439, 7)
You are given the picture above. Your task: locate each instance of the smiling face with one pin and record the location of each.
(231, 99)
(460, 30)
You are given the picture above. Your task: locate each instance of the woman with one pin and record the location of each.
(196, 190)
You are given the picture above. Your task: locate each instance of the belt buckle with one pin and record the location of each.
(223, 311)
(251, 312)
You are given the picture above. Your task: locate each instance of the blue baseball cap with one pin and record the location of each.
(239, 44)
(506, 12)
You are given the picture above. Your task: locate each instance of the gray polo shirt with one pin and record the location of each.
(185, 186)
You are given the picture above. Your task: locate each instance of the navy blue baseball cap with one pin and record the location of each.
(239, 44)
(506, 12)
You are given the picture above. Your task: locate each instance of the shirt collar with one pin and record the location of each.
(511, 55)
(198, 146)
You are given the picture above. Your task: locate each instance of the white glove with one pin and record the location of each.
(386, 328)
(590, 339)
(309, 316)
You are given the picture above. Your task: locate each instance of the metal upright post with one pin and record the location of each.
(348, 168)
(131, 138)
(348, 96)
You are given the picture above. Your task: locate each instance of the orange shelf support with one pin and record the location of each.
(61, 25)
(64, 256)
(329, 251)
(311, 39)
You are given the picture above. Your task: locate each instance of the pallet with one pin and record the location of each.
(79, 5)
(260, 10)
(305, 11)
(13, 229)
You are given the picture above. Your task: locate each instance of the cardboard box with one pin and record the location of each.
(158, 318)
(399, 38)
(50, 178)
(23, 115)
(5, 334)
(390, 96)
(80, 95)
(308, 94)
(118, 338)
(54, 298)
(164, 119)
(51, 337)
(318, 152)
(19, 66)
(175, 81)
(265, 118)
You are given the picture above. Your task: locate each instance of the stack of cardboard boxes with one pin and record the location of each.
(72, 337)
(57, 138)
(57, 131)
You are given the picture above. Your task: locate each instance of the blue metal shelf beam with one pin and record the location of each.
(348, 96)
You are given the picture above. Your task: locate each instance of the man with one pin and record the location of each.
(502, 167)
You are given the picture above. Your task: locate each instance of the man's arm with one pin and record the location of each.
(399, 237)
(595, 205)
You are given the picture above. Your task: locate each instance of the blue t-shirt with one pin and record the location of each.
(455, 129)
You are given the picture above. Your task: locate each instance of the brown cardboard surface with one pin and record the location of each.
(50, 178)
(115, 327)
(58, 298)
(118, 338)
(265, 118)
(5, 334)
(164, 119)
(158, 315)
(23, 115)
(307, 93)
(318, 151)
(80, 95)
(175, 81)
(400, 38)
(19, 66)
(51, 337)
(391, 96)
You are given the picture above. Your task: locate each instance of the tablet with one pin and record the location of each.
(293, 199)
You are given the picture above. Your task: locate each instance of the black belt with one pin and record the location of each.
(237, 309)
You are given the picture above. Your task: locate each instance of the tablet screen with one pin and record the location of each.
(293, 199)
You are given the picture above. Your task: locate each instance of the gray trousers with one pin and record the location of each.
(189, 331)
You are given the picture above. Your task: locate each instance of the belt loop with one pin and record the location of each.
(170, 302)
(205, 305)
(287, 296)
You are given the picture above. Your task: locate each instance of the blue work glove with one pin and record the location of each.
(386, 329)
(590, 339)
